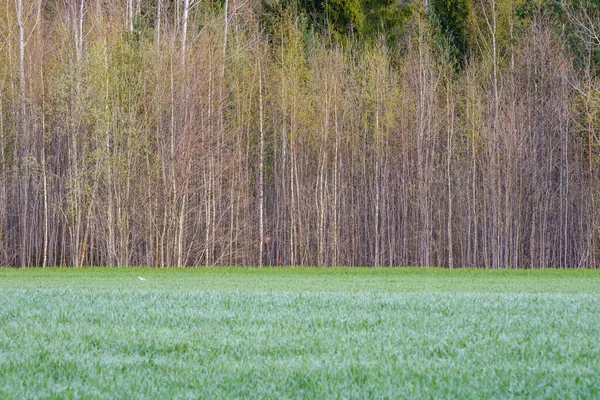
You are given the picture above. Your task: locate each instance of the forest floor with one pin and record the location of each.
(299, 333)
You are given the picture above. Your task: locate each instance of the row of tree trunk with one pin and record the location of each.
(199, 140)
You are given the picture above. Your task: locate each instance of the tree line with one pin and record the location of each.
(192, 132)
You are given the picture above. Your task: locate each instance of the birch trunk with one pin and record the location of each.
(261, 168)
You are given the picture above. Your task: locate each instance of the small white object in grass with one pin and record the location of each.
(139, 278)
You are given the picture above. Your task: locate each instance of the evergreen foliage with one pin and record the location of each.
(360, 19)
(451, 17)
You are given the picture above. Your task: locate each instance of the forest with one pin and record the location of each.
(453, 133)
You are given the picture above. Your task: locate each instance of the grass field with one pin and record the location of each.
(299, 333)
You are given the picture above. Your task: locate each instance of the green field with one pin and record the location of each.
(299, 333)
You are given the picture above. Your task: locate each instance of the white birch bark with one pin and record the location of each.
(261, 168)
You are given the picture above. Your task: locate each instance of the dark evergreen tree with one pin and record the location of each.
(451, 18)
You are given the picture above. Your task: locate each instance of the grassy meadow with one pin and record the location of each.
(299, 333)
